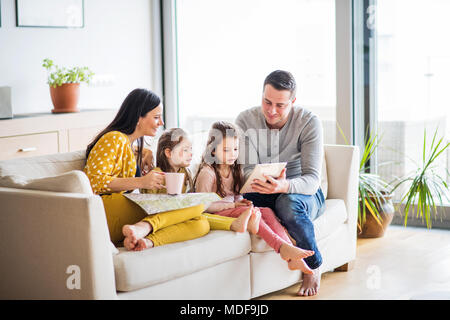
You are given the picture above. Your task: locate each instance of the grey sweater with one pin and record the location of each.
(299, 143)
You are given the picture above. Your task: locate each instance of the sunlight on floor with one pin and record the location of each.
(405, 263)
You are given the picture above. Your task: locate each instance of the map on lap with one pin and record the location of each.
(156, 203)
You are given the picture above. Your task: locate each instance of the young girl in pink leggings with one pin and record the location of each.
(220, 172)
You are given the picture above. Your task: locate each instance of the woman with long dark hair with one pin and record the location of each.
(113, 168)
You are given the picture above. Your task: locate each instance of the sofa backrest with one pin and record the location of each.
(44, 166)
(56, 164)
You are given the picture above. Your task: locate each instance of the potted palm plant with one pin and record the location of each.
(65, 85)
(374, 196)
(426, 186)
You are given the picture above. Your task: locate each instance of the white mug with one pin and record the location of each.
(174, 182)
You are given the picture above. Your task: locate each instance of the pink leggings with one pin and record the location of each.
(270, 228)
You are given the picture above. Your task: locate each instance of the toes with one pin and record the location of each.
(127, 244)
(307, 253)
(303, 292)
(138, 246)
(125, 230)
(129, 233)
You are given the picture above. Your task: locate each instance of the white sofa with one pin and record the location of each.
(52, 241)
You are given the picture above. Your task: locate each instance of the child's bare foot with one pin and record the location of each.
(290, 252)
(253, 223)
(142, 244)
(129, 244)
(299, 264)
(241, 222)
(135, 232)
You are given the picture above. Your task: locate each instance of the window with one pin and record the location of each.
(413, 78)
(225, 49)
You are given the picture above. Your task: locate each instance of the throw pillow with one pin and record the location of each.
(74, 181)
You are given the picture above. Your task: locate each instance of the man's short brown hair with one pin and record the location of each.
(282, 80)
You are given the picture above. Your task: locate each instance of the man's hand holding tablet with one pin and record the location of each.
(267, 178)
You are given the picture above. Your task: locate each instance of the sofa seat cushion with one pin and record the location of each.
(140, 269)
(335, 214)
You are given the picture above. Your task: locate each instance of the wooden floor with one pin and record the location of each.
(405, 263)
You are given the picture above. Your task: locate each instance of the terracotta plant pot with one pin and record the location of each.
(65, 97)
(371, 228)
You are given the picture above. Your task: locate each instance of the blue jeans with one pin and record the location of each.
(296, 213)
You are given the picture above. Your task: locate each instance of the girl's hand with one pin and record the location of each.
(147, 161)
(243, 203)
(153, 180)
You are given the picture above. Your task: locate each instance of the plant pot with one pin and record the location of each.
(65, 97)
(371, 228)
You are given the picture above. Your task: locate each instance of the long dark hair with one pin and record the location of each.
(219, 131)
(168, 140)
(137, 104)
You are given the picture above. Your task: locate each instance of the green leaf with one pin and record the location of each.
(58, 76)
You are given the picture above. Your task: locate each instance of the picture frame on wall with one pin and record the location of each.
(50, 13)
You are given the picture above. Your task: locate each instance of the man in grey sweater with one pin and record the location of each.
(277, 131)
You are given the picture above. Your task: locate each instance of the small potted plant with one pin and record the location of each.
(65, 85)
(426, 186)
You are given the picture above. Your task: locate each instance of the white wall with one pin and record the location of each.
(115, 42)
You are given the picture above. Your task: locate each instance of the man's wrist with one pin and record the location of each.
(287, 186)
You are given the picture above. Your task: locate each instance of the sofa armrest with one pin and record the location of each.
(50, 243)
(342, 172)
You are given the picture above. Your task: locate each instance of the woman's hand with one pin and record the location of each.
(147, 161)
(153, 180)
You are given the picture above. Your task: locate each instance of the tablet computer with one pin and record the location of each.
(261, 169)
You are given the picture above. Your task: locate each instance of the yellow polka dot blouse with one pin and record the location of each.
(111, 157)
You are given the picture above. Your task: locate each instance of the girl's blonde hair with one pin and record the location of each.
(168, 140)
(219, 131)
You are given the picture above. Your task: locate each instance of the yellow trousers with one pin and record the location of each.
(167, 227)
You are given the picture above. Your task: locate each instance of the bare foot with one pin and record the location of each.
(241, 222)
(310, 284)
(135, 232)
(300, 264)
(290, 252)
(253, 223)
(129, 244)
(143, 243)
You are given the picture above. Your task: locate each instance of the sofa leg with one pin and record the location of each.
(346, 267)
